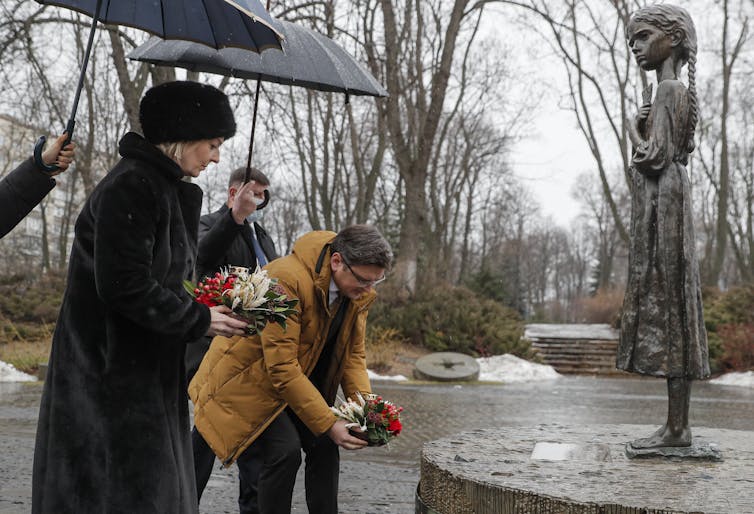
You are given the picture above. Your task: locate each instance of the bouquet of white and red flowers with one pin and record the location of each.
(371, 418)
(254, 297)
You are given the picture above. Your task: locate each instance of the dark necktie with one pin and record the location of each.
(319, 375)
(261, 257)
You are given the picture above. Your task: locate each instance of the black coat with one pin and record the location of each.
(222, 243)
(113, 433)
(20, 192)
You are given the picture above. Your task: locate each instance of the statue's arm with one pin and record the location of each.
(655, 151)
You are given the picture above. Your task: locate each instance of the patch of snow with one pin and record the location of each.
(598, 331)
(745, 379)
(375, 376)
(8, 373)
(509, 368)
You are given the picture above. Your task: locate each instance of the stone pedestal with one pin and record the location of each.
(558, 469)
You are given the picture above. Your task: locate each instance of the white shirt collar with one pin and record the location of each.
(332, 292)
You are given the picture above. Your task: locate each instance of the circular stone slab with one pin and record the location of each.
(446, 367)
(582, 469)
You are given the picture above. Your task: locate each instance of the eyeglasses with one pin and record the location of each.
(361, 280)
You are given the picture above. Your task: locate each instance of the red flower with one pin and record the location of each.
(395, 426)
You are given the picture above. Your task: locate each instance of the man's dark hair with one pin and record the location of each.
(363, 245)
(238, 174)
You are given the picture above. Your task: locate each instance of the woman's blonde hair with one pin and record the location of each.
(173, 150)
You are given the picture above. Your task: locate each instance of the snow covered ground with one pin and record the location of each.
(500, 368)
(745, 379)
(376, 376)
(509, 368)
(8, 373)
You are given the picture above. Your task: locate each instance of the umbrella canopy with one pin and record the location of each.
(308, 59)
(217, 23)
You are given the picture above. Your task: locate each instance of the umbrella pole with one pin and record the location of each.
(39, 146)
(247, 177)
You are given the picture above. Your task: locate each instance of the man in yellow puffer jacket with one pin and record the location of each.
(273, 390)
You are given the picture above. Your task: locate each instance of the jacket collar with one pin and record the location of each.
(135, 146)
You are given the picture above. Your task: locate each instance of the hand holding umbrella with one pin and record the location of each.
(59, 154)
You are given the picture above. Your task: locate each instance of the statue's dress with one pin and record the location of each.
(662, 325)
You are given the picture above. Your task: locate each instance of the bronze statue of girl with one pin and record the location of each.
(662, 326)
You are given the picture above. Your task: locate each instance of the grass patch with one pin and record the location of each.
(26, 356)
(25, 345)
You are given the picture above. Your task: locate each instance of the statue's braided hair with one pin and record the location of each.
(669, 19)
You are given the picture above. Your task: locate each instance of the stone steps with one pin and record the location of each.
(578, 357)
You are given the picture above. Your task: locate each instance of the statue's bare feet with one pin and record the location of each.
(664, 437)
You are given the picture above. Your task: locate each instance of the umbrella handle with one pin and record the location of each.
(40, 145)
(266, 200)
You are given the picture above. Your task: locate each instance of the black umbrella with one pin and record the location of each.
(217, 23)
(307, 59)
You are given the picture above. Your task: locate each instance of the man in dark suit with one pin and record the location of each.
(231, 236)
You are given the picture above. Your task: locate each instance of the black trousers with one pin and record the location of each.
(280, 448)
(249, 466)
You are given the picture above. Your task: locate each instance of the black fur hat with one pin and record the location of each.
(185, 111)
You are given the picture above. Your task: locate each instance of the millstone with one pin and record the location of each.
(446, 367)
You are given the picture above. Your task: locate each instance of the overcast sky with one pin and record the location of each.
(550, 160)
(554, 153)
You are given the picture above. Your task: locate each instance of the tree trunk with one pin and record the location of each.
(131, 93)
(413, 160)
(723, 192)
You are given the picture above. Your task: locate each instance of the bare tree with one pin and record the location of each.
(716, 147)
(589, 38)
(417, 74)
(37, 85)
(336, 143)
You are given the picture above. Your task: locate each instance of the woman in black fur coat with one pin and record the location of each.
(113, 433)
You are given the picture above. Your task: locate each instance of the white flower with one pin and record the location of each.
(350, 411)
(357, 409)
(249, 289)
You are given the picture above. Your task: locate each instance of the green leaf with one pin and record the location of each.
(189, 287)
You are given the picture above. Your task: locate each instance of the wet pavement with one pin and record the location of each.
(384, 480)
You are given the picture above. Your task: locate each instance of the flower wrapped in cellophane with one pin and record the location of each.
(254, 297)
(371, 418)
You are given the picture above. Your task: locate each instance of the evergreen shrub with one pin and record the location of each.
(729, 319)
(34, 299)
(452, 319)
